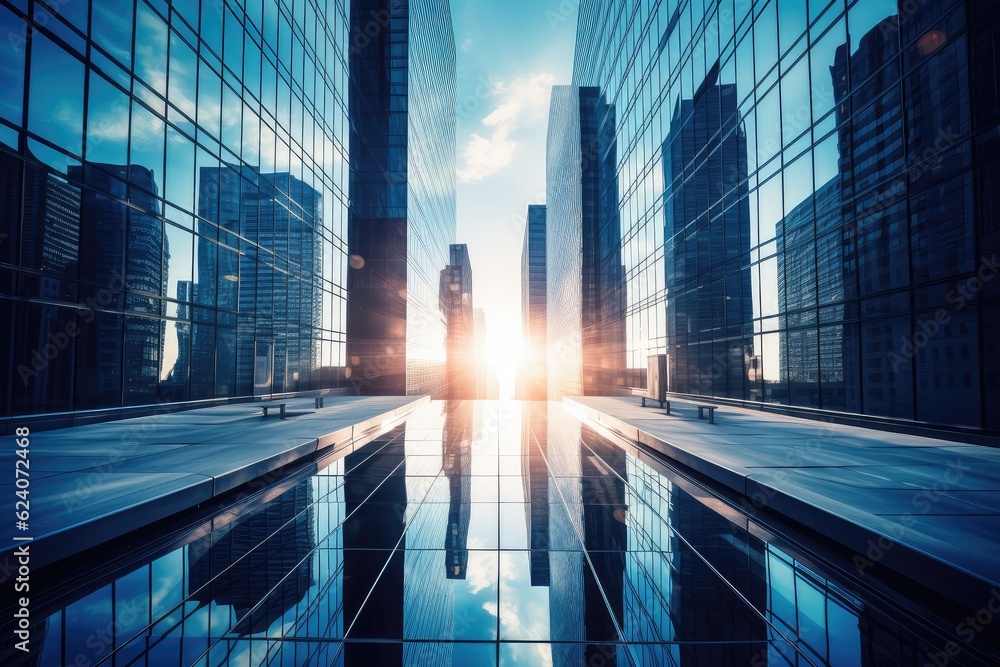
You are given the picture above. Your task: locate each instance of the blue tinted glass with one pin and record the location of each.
(74, 13)
(112, 28)
(179, 173)
(147, 141)
(209, 100)
(211, 25)
(151, 40)
(791, 21)
(189, 10)
(183, 76)
(107, 122)
(765, 40)
(178, 270)
(12, 51)
(55, 104)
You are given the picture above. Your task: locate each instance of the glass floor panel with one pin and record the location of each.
(517, 535)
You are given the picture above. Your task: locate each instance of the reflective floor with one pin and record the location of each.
(480, 533)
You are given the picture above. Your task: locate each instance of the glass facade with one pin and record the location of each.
(402, 214)
(585, 273)
(462, 368)
(532, 383)
(804, 198)
(173, 186)
(564, 243)
(530, 541)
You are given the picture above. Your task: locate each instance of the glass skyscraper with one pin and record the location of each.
(585, 281)
(174, 187)
(532, 383)
(804, 199)
(402, 215)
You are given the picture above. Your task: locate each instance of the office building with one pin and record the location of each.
(402, 175)
(175, 198)
(583, 267)
(804, 199)
(456, 298)
(532, 383)
(174, 185)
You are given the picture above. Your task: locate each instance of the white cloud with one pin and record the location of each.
(466, 46)
(523, 101)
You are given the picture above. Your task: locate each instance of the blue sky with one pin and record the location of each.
(509, 55)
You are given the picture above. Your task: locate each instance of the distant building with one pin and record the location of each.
(531, 373)
(402, 193)
(798, 227)
(584, 274)
(461, 341)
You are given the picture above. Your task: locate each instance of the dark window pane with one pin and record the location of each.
(6, 333)
(887, 368)
(202, 361)
(225, 363)
(943, 231)
(43, 359)
(98, 360)
(12, 49)
(146, 256)
(10, 206)
(947, 346)
(143, 349)
(51, 227)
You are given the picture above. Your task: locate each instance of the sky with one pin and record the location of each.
(510, 54)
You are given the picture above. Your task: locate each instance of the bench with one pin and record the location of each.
(279, 406)
(711, 412)
(660, 402)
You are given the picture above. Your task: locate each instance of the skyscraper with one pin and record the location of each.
(402, 175)
(709, 307)
(798, 247)
(584, 277)
(174, 184)
(462, 366)
(532, 383)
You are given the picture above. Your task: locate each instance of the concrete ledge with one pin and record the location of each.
(91, 484)
(925, 509)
